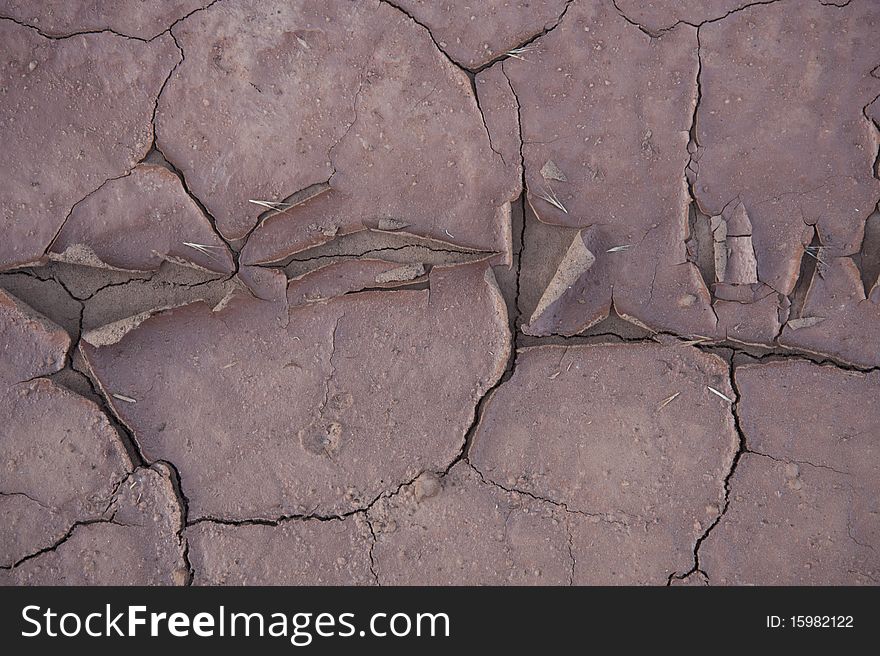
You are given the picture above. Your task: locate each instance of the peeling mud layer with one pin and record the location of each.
(400, 292)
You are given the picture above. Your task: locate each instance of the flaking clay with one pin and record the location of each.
(546, 293)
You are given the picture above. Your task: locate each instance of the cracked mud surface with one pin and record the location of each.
(386, 292)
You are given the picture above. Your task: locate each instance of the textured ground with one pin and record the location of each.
(440, 292)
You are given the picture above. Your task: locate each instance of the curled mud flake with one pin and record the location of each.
(406, 272)
(223, 302)
(719, 239)
(804, 322)
(868, 257)
(849, 331)
(392, 224)
(586, 303)
(738, 222)
(577, 261)
(742, 267)
(347, 276)
(46, 295)
(700, 245)
(575, 265)
(372, 246)
(132, 295)
(735, 262)
(114, 332)
(81, 254)
(550, 171)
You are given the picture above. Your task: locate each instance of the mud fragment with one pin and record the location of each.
(644, 476)
(735, 262)
(742, 267)
(403, 273)
(62, 464)
(801, 513)
(719, 242)
(118, 303)
(112, 333)
(551, 172)
(348, 276)
(805, 322)
(61, 137)
(267, 284)
(577, 297)
(836, 318)
(754, 319)
(46, 296)
(392, 224)
(343, 375)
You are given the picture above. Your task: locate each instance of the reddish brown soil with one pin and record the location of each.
(440, 292)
